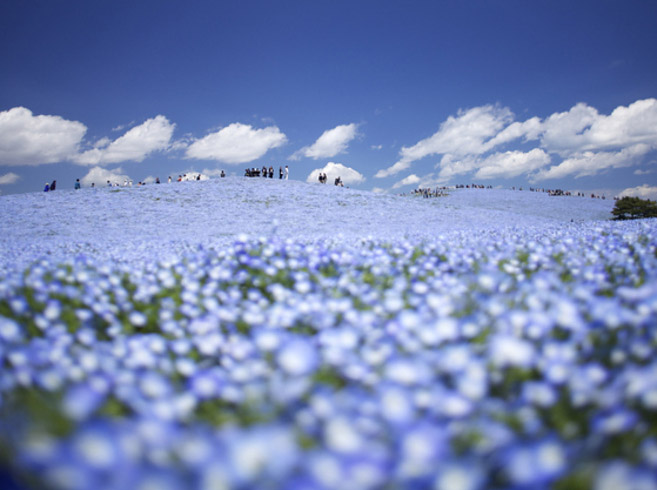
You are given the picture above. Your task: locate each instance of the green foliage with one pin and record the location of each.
(634, 208)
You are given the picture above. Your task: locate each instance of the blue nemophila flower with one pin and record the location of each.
(205, 383)
(10, 330)
(81, 401)
(539, 393)
(297, 357)
(507, 350)
(421, 447)
(649, 452)
(535, 464)
(618, 474)
(407, 372)
(461, 475)
(250, 454)
(614, 422)
(396, 405)
(342, 436)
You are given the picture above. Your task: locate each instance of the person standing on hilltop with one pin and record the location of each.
(77, 184)
(53, 185)
(287, 172)
(280, 173)
(47, 187)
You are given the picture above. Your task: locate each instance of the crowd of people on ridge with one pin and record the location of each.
(442, 191)
(267, 172)
(428, 192)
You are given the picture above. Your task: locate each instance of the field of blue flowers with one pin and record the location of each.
(243, 334)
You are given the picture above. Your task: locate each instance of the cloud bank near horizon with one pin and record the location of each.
(585, 141)
(485, 142)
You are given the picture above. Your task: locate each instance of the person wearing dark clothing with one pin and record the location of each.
(53, 185)
(271, 172)
(77, 184)
(264, 172)
(280, 173)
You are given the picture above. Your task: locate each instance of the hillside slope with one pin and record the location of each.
(141, 223)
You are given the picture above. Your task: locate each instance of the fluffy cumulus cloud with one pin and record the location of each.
(135, 145)
(644, 191)
(9, 178)
(580, 142)
(466, 134)
(330, 143)
(26, 139)
(332, 170)
(99, 176)
(410, 180)
(511, 164)
(583, 129)
(591, 162)
(236, 143)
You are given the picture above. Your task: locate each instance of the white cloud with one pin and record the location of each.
(562, 132)
(583, 129)
(644, 191)
(236, 143)
(588, 142)
(376, 147)
(102, 142)
(332, 170)
(135, 145)
(410, 180)
(591, 163)
(330, 143)
(121, 127)
(511, 164)
(26, 139)
(466, 134)
(99, 176)
(9, 178)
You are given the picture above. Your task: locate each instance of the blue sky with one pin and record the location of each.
(390, 95)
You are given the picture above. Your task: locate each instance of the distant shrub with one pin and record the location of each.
(634, 208)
